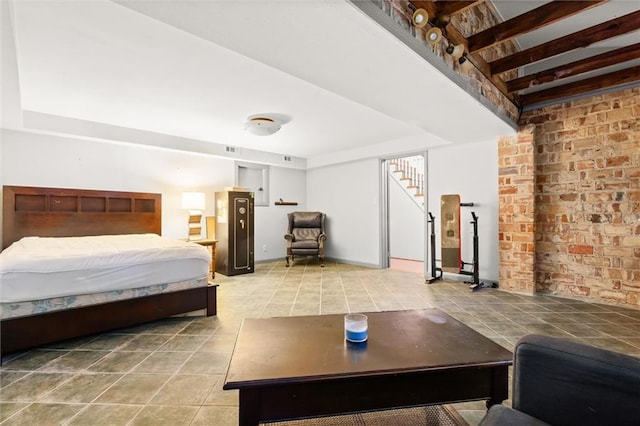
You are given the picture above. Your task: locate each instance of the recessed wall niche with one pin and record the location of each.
(254, 177)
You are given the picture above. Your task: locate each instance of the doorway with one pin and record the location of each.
(404, 212)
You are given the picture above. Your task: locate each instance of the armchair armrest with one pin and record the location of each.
(290, 239)
(321, 239)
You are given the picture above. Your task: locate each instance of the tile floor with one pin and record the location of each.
(171, 372)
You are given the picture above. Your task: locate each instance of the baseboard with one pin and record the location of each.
(352, 262)
(327, 259)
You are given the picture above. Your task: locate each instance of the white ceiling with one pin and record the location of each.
(343, 86)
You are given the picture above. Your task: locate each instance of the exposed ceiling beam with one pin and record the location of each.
(606, 59)
(625, 76)
(534, 19)
(584, 38)
(553, 12)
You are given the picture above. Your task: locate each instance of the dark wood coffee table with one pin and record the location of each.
(296, 367)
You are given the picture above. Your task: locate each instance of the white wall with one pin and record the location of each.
(349, 194)
(271, 222)
(406, 224)
(471, 171)
(41, 160)
(30, 159)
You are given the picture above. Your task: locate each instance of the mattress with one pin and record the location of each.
(34, 307)
(35, 268)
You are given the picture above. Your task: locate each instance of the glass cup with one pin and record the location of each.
(356, 328)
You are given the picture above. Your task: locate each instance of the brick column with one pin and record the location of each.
(516, 216)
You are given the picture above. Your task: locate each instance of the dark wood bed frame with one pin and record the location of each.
(56, 212)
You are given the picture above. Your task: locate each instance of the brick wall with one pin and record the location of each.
(516, 216)
(587, 198)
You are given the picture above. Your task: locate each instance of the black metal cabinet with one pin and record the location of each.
(234, 232)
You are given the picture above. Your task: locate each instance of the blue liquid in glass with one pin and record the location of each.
(356, 336)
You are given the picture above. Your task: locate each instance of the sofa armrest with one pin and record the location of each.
(568, 383)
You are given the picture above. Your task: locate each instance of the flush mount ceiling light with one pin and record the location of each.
(261, 126)
(420, 18)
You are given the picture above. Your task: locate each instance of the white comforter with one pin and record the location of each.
(36, 268)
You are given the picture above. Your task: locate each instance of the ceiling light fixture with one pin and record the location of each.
(437, 32)
(464, 64)
(433, 35)
(261, 126)
(441, 21)
(455, 50)
(420, 18)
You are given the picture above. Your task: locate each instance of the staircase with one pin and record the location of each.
(409, 172)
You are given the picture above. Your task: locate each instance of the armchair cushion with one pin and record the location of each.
(305, 245)
(301, 234)
(306, 220)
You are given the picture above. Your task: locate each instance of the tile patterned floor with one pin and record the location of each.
(171, 372)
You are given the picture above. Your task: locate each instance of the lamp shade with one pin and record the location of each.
(193, 200)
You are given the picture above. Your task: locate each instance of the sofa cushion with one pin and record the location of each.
(501, 415)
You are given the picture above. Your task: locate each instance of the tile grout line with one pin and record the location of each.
(500, 307)
(124, 374)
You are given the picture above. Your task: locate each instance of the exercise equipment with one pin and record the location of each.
(451, 261)
(475, 268)
(434, 270)
(450, 238)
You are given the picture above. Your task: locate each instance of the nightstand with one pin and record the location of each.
(212, 246)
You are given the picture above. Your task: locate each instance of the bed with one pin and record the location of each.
(55, 301)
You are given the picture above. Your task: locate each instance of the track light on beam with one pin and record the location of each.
(464, 64)
(420, 18)
(441, 21)
(455, 50)
(433, 36)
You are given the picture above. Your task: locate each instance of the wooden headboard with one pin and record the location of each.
(58, 212)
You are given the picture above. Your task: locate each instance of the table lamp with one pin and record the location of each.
(194, 202)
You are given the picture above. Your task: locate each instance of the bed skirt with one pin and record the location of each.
(26, 332)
